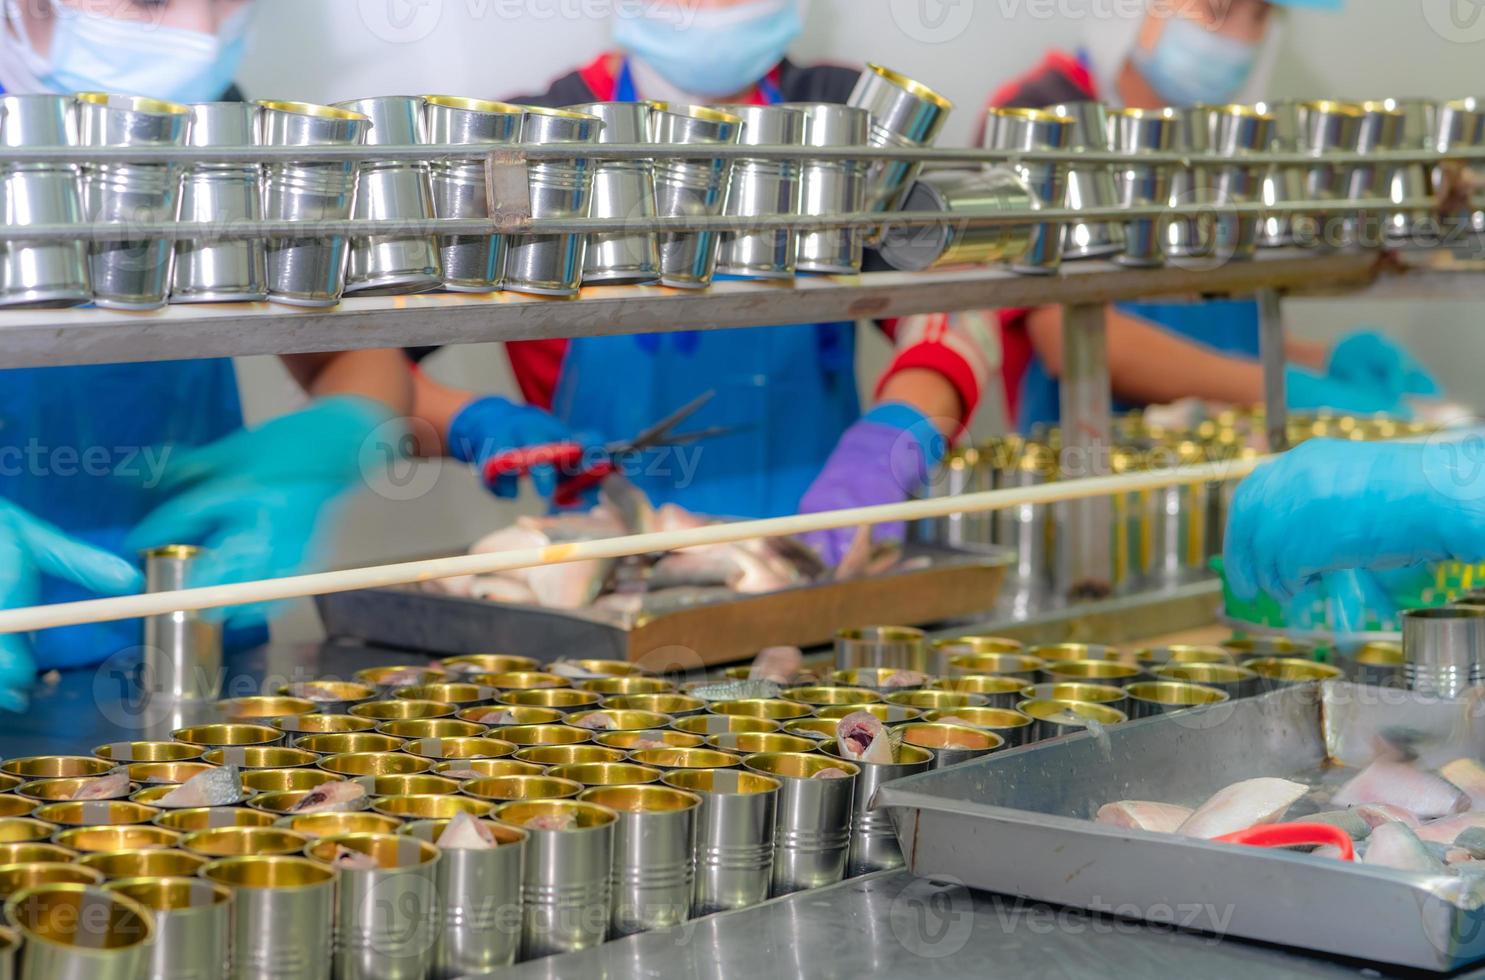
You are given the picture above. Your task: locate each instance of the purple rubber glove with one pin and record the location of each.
(882, 459)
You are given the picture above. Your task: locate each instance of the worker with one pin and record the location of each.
(99, 461)
(790, 392)
(1185, 53)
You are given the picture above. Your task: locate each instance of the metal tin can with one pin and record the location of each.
(552, 265)
(905, 114)
(504, 789)
(479, 894)
(1181, 653)
(192, 925)
(812, 829)
(296, 727)
(182, 650)
(308, 271)
(734, 836)
(1237, 682)
(715, 724)
(219, 842)
(471, 263)
(1192, 237)
(385, 915)
(1401, 182)
(1053, 718)
(563, 699)
(1379, 129)
(1379, 664)
(1281, 184)
(19, 877)
(900, 647)
(962, 194)
(873, 844)
(1268, 646)
(1238, 132)
(154, 862)
(328, 696)
(565, 755)
(41, 275)
(623, 189)
(1279, 672)
(1325, 128)
(567, 879)
(832, 187)
(654, 862)
(1141, 184)
(1013, 725)
(1089, 185)
(281, 915)
(761, 188)
(221, 193)
(1443, 649)
(997, 690)
(73, 930)
(950, 744)
(606, 773)
(1149, 698)
(1035, 129)
(1027, 528)
(1114, 697)
(1099, 671)
(691, 187)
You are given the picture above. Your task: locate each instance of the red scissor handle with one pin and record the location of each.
(1291, 834)
(521, 461)
(569, 492)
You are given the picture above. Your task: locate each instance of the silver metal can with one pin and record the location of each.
(1089, 185)
(471, 263)
(1141, 184)
(308, 271)
(386, 914)
(691, 188)
(1379, 664)
(389, 191)
(1238, 132)
(1035, 129)
(1443, 649)
(281, 915)
(1401, 182)
(1460, 123)
(552, 265)
(622, 189)
(950, 744)
(962, 471)
(1149, 698)
(1275, 673)
(75, 931)
(902, 647)
(873, 844)
(761, 188)
(654, 856)
(832, 187)
(1281, 184)
(221, 194)
(192, 925)
(1027, 528)
(1380, 129)
(734, 836)
(1053, 718)
(47, 275)
(964, 194)
(1325, 128)
(182, 650)
(812, 824)
(567, 879)
(1194, 236)
(1236, 682)
(479, 896)
(130, 275)
(905, 114)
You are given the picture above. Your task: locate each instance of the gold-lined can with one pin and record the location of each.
(566, 883)
(460, 694)
(714, 724)
(815, 729)
(998, 690)
(340, 743)
(625, 685)
(1010, 724)
(773, 709)
(374, 763)
(616, 720)
(751, 743)
(733, 853)
(328, 696)
(1279, 672)
(876, 678)
(1062, 652)
(968, 656)
(95, 813)
(543, 734)
(428, 806)
(282, 910)
(566, 755)
(1379, 664)
(462, 747)
(520, 680)
(147, 751)
(462, 769)
(654, 862)
(206, 817)
(669, 758)
(332, 823)
(873, 841)
(648, 738)
(404, 784)
(156, 862)
(577, 669)
(134, 837)
(887, 714)
(1053, 718)
(283, 801)
(1095, 671)
(68, 788)
(1236, 682)
(296, 727)
(402, 709)
(1114, 697)
(950, 744)
(147, 773)
(24, 830)
(606, 773)
(486, 663)
(824, 695)
(55, 767)
(1182, 653)
(279, 780)
(1149, 698)
(504, 789)
(1268, 646)
(937, 700)
(812, 829)
(233, 733)
(260, 757)
(192, 919)
(18, 877)
(503, 715)
(561, 699)
(669, 704)
(263, 706)
(71, 929)
(219, 842)
(431, 728)
(400, 675)
(30, 852)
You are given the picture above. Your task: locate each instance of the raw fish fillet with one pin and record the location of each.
(1376, 814)
(1402, 785)
(550, 821)
(1348, 820)
(404, 678)
(498, 716)
(862, 737)
(831, 772)
(736, 690)
(570, 670)
(1446, 829)
(904, 678)
(354, 860)
(648, 743)
(1472, 839)
(1143, 815)
(777, 664)
(1469, 776)
(597, 722)
(342, 794)
(1394, 845)
(464, 831)
(108, 787)
(1242, 805)
(215, 787)
(318, 692)
(460, 774)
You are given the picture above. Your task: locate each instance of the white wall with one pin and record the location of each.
(327, 50)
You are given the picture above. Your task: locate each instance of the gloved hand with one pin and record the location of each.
(491, 425)
(257, 499)
(1305, 390)
(1328, 505)
(29, 549)
(881, 459)
(1371, 360)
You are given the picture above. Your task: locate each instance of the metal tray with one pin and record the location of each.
(1020, 823)
(953, 584)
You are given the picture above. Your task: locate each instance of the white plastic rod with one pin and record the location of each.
(406, 573)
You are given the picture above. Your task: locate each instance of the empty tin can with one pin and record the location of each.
(386, 914)
(223, 194)
(1267, 646)
(19, 877)
(622, 189)
(567, 878)
(691, 187)
(1191, 184)
(734, 836)
(905, 114)
(832, 187)
(998, 691)
(873, 843)
(1035, 129)
(1238, 132)
(1401, 182)
(1110, 672)
(154, 862)
(471, 263)
(76, 931)
(192, 925)
(1114, 697)
(1379, 664)
(552, 265)
(308, 271)
(1010, 724)
(182, 650)
(965, 194)
(130, 275)
(388, 191)
(1235, 682)
(950, 744)
(1149, 698)
(1281, 184)
(898, 647)
(39, 275)
(1325, 128)
(479, 896)
(1443, 649)
(812, 828)
(654, 860)
(1379, 129)
(1140, 184)
(1027, 528)
(760, 188)
(1054, 718)
(281, 915)
(1089, 185)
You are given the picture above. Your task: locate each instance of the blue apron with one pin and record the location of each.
(790, 390)
(1229, 326)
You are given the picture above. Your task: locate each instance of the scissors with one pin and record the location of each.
(569, 457)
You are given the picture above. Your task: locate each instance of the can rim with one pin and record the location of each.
(312, 109)
(133, 103)
(911, 85)
(135, 908)
(474, 105)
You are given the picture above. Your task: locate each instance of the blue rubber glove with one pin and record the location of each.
(1329, 505)
(491, 425)
(882, 459)
(259, 500)
(29, 549)
(1305, 390)
(1371, 360)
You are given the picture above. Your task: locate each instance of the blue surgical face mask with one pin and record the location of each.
(93, 53)
(1191, 65)
(711, 51)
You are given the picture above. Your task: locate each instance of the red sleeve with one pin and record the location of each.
(537, 364)
(1015, 356)
(945, 345)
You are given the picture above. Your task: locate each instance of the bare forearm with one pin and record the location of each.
(382, 375)
(436, 405)
(930, 393)
(1306, 353)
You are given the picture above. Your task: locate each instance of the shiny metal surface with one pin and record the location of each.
(192, 925)
(812, 823)
(308, 271)
(692, 187)
(80, 932)
(393, 190)
(42, 275)
(832, 187)
(1443, 649)
(567, 883)
(227, 271)
(622, 189)
(1380, 129)
(386, 915)
(182, 650)
(479, 895)
(734, 836)
(1323, 128)
(1192, 237)
(760, 187)
(1411, 181)
(873, 844)
(1281, 184)
(552, 265)
(1238, 131)
(900, 647)
(1136, 131)
(654, 858)
(471, 263)
(1034, 129)
(281, 916)
(1090, 184)
(130, 275)
(961, 192)
(904, 113)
